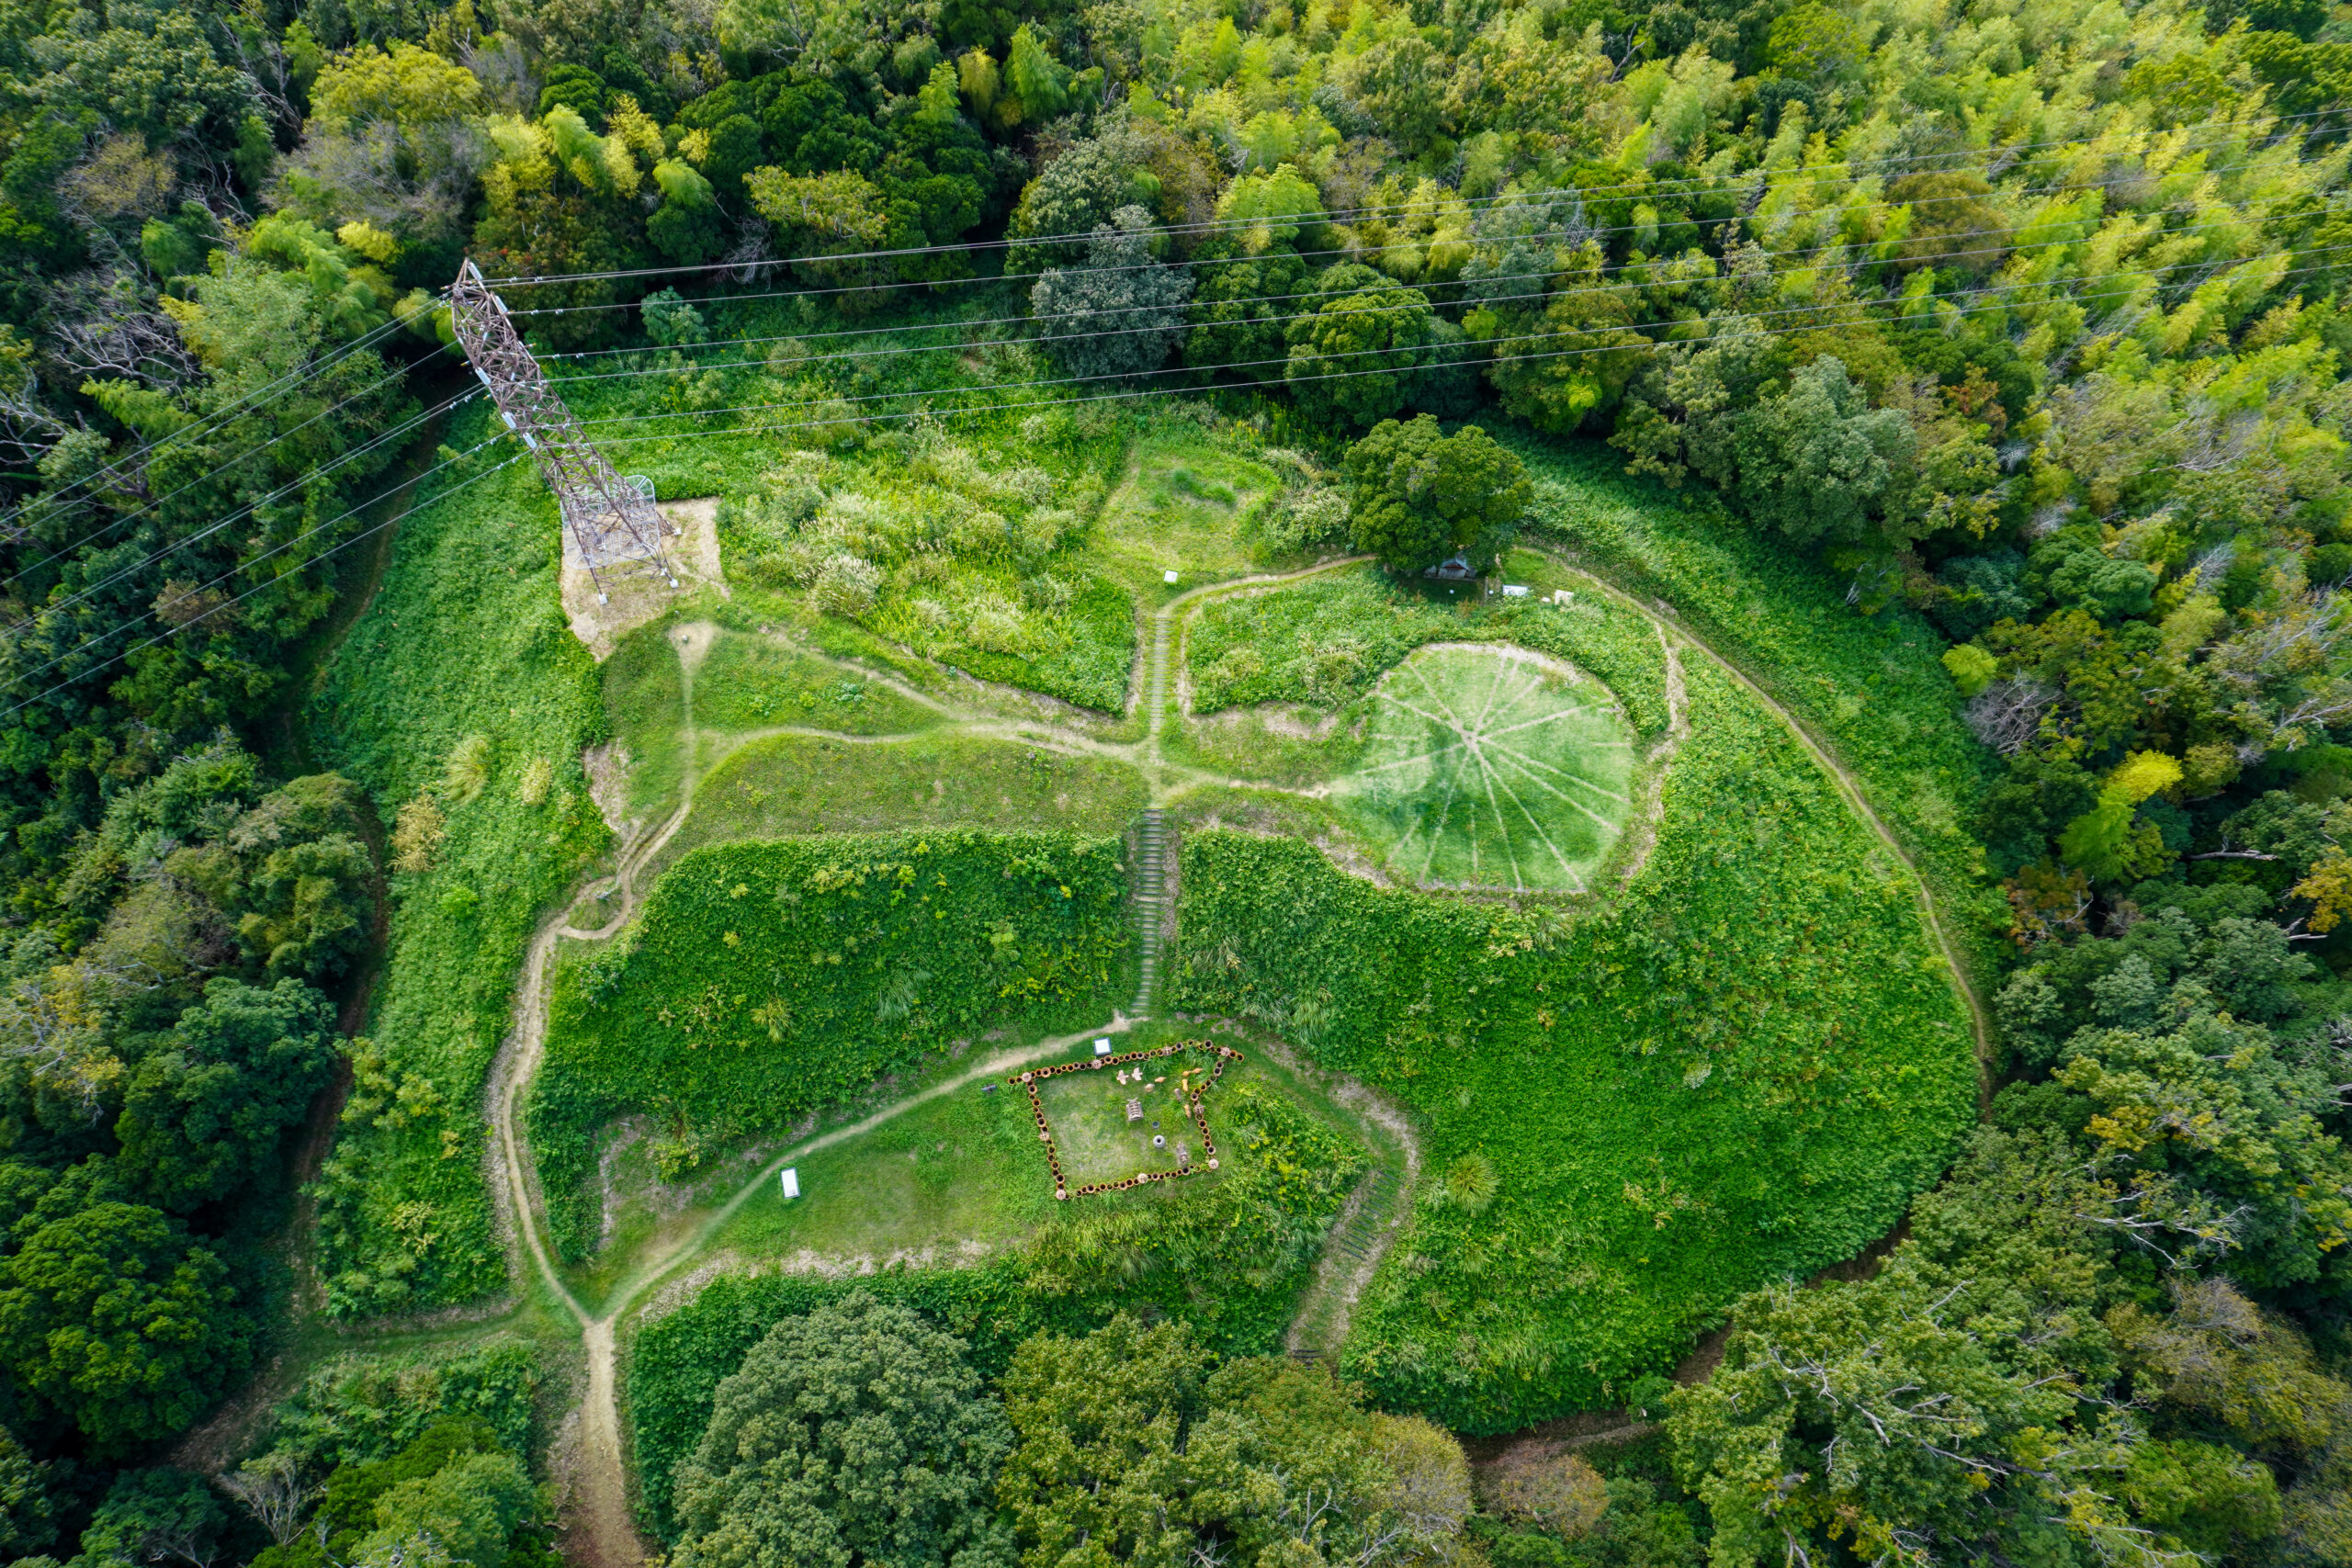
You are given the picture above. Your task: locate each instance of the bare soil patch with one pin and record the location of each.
(636, 594)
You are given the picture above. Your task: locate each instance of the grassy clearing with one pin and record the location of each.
(1098, 1143)
(1487, 768)
(1185, 504)
(1287, 745)
(747, 682)
(1740, 1069)
(461, 696)
(645, 711)
(1871, 684)
(941, 1182)
(788, 785)
(765, 979)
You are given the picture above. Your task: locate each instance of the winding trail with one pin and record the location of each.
(600, 1528)
(600, 1531)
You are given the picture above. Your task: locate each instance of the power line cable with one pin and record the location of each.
(250, 452)
(969, 324)
(45, 611)
(909, 415)
(1759, 183)
(1604, 288)
(1961, 157)
(247, 401)
(213, 610)
(1464, 359)
(921, 413)
(1197, 265)
(1818, 250)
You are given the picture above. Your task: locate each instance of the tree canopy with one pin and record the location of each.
(856, 1434)
(1417, 494)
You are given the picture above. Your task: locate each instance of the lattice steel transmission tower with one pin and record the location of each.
(612, 520)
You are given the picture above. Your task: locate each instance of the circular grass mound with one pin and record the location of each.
(1488, 766)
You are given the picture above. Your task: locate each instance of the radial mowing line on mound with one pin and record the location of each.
(1486, 707)
(1569, 711)
(1571, 801)
(1502, 827)
(1567, 870)
(1524, 759)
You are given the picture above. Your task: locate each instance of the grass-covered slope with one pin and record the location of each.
(765, 978)
(784, 785)
(461, 696)
(1870, 685)
(1741, 1069)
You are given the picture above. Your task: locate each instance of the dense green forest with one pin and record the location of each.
(2029, 320)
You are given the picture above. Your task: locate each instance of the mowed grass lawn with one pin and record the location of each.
(787, 785)
(958, 1177)
(1492, 767)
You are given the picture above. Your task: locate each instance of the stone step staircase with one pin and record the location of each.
(1350, 1245)
(1159, 658)
(1151, 890)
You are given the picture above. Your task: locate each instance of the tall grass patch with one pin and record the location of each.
(945, 543)
(765, 979)
(1741, 1069)
(462, 701)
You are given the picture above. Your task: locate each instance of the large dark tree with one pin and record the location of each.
(857, 1433)
(204, 1116)
(1418, 493)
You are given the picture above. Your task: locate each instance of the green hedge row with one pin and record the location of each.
(764, 979)
(1741, 1069)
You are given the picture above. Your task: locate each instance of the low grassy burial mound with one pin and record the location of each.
(1736, 1070)
(1492, 767)
(1322, 643)
(1182, 506)
(765, 979)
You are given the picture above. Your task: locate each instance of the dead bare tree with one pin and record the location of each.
(108, 327)
(2007, 715)
(276, 1491)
